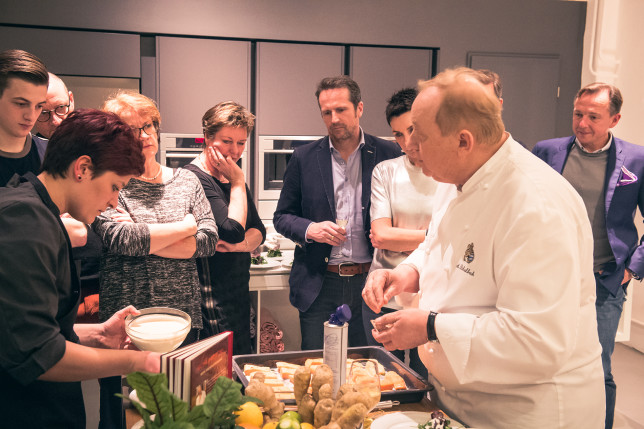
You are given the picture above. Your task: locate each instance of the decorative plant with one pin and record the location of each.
(217, 411)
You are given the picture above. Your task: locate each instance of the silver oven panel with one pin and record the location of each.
(177, 150)
(274, 154)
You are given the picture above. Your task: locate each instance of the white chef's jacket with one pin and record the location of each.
(508, 264)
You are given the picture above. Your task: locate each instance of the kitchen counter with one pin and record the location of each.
(270, 278)
(269, 288)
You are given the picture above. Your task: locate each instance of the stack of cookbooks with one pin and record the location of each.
(193, 369)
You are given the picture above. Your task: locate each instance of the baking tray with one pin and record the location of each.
(417, 388)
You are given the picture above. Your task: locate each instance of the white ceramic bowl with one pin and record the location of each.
(158, 329)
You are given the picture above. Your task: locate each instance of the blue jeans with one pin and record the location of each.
(414, 360)
(609, 311)
(335, 291)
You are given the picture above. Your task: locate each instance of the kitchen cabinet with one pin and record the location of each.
(525, 77)
(382, 71)
(78, 53)
(287, 76)
(195, 74)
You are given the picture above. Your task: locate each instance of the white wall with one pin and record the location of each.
(630, 40)
(618, 59)
(456, 26)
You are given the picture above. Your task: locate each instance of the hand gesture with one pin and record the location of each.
(382, 285)
(327, 232)
(112, 331)
(190, 224)
(401, 330)
(121, 215)
(225, 165)
(224, 246)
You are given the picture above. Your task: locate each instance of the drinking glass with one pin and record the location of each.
(365, 377)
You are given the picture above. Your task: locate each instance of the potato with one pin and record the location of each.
(302, 379)
(306, 408)
(353, 416)
(322, 375)
(326, 391)
(322, 413)
(349, 399)
(265, 393)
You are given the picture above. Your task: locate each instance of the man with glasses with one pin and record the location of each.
(59, 104)
(23, 90)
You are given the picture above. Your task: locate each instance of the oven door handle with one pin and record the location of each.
(279, 151)
(182, 155)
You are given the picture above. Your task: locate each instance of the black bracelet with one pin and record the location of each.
(431, 327)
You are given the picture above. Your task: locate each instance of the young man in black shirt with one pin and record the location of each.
(23, 92)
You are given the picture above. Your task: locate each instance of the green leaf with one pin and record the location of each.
(224, 398)
(152, 390)
(177, 425)
(217, 412)
(197, 417)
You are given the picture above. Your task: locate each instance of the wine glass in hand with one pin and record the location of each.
(364, 376)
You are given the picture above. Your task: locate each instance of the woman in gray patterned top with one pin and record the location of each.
(162, 223)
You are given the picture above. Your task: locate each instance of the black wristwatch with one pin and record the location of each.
(431, 327)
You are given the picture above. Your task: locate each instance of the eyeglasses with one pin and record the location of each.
(149, 129)
(60, 111)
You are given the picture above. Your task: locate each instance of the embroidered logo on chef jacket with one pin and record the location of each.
(469, 253)
(468, 258)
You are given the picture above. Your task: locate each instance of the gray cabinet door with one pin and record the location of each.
(382, 71)
(287, 75)
(530, 99)
(78, 53)
(194, 75)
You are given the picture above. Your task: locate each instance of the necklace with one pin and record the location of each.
(155, 176)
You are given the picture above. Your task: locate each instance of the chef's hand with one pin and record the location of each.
(401, 330)
(382, 285)
(627, 277)
(121, 216)
(327, 232)
(112, 331)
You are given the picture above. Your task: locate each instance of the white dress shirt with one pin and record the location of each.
(508, 265)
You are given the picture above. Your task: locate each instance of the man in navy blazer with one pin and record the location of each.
(324, 208)
(607, 172)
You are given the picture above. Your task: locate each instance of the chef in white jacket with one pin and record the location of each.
(506, 319)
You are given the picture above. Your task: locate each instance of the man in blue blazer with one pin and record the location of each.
(324, 208)
(608, 173)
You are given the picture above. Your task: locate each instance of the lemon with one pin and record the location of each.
(270, 425)
(293, 415)
(289, 424)
(307, 426)
(249, 413)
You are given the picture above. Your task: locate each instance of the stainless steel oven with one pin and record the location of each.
(177, 150)
(274, 154)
